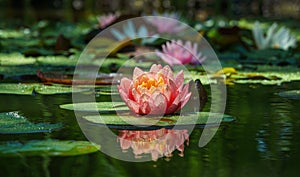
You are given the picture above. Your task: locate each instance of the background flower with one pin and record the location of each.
(165, 25)
(156, 92)
(281, 38)
(107, 19)
(177, 52)
(130, 32)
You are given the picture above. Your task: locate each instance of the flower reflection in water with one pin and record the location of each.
(158, 143)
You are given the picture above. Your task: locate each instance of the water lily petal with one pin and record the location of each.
(159, 104)
(179, 79)
(137, 72)
(133, 106)
(125, 84)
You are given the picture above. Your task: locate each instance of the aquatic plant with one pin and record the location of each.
(156, 92)
(107, 19)
(178, 52)
(130, 32)
(158, 143)
(281, 38)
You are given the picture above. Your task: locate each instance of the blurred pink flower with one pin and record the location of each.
(166, 25)
(156, 92)
(176, 53)
(158, 143)
(107, 19)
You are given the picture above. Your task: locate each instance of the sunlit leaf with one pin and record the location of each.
(29, 89)
(19, 89)
(15, 59)
(13, 123)
(96, 106)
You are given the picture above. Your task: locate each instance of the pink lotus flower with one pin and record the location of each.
(158, 143)
(156, 92)
(176, 53)
(107, 19)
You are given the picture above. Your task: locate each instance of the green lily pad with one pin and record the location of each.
(96, 106)
(111, 90)
(271, 78)
(47, 147)
(19, 89)
(56, 89)
(57, 60)
(13, 123)
(129, 121)
(15, 59)
(291, 94)
(29, 89)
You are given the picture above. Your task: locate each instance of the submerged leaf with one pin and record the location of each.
(47, 147)
(13, 123)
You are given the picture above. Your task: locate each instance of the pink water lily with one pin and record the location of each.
(165, 25)
(177, 52)
(158, 143)
(156, 92)
(107, 19)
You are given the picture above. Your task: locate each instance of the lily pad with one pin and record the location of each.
(19, 89)
(291, 94)
(47, 147)
(129, 121)
(15, 59)
(13, 123)
(108, 91)
(57, 60)
(96, 106)
(56, 89)
(29, 89)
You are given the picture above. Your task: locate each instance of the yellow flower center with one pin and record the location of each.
(149, 83)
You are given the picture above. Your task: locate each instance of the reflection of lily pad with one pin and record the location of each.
(128, 121)
(95, 107)
(28, 89)
(291, 94)
(47, 147)
(13, 123)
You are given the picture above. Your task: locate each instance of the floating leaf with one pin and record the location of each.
(15, 59)
(57, 60)
(47, 147)
(128, 121)
(96, 106)
(29, 89)
(13, 123)
(108, 91)
(19, 89)
(56, 89)
(291, 94)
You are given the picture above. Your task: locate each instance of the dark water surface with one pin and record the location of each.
(264, 141)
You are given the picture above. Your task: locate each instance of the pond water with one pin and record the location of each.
(263, 141)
